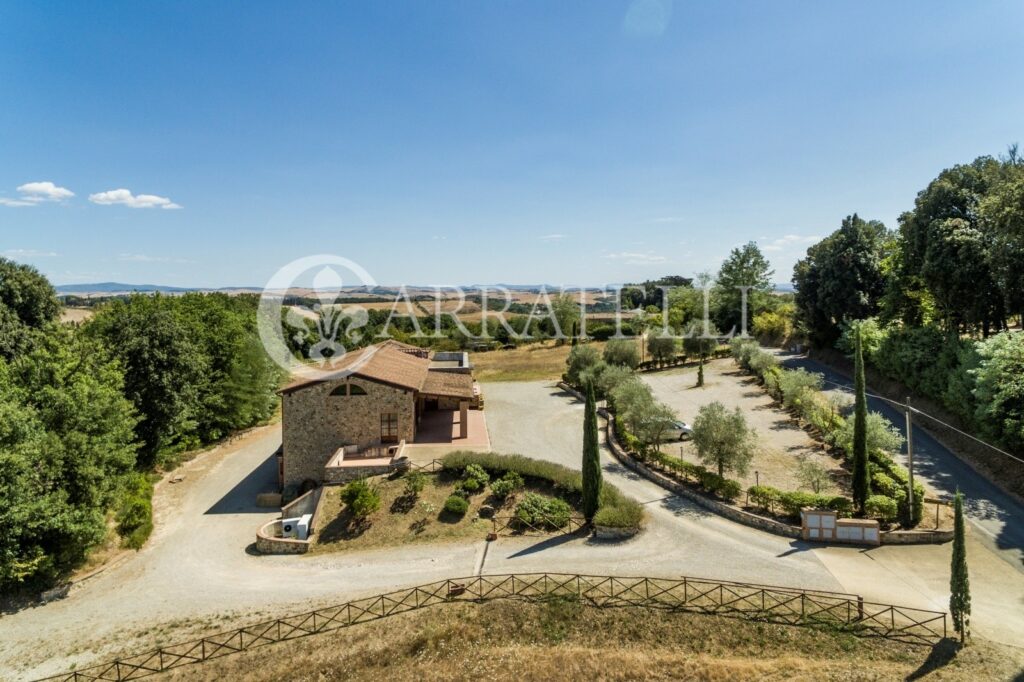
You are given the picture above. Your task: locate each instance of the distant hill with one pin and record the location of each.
(116, 287)
(121, 288)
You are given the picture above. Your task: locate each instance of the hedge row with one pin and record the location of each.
(685, 472)
(801, 391)
(616, 510)
(790, 503)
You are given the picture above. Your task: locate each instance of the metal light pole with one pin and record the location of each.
(910, 459)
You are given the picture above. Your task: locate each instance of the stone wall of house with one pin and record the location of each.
(316, 424)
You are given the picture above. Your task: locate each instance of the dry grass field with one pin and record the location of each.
(76, 314)
(563, 640)
(532, 362)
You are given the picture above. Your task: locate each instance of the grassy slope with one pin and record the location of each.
(563, 641)
(532, 362)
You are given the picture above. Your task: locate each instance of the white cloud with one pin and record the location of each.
(34, 193)
(667, 219)
(143, 258)
(637, 258)
(783, 243)
(551, 237)
(29, 253)
(126, 198)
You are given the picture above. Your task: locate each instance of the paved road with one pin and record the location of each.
(998, 517)
(198, 570)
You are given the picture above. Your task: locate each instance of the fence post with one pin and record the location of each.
(860, 608)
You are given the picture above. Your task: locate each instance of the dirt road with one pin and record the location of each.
(198, 572)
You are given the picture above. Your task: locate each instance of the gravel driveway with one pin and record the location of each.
(197, 572)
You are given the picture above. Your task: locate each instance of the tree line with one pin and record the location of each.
(934, 299)
(89, 412)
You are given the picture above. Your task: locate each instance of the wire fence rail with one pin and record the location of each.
(845, 612)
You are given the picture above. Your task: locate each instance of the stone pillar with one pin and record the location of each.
(463, 418)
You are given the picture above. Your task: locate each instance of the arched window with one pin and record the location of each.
(348, 389)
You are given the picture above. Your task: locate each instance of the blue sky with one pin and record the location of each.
(467, 142)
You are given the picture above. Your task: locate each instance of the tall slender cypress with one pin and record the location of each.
(861, 477)
(959, 584)
(591, 456)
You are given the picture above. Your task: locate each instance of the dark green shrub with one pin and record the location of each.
(566, 480)
(475, 476)
(361, 498)
(414, 483)
(456, 504)
(843, 506)
(764, 496)
(881, 507)
(506, 485)
(623, 516)
(538, 511)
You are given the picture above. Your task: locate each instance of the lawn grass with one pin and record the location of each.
(565, 640)
(531, 362)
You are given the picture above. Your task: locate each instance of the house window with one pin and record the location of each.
(389, 427)
(352, 389)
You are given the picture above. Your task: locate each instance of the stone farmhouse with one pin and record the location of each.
(359, 417)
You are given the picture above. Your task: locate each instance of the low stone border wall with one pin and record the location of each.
(916, 537)
(268, 540)
(893, 537)
(614, 534)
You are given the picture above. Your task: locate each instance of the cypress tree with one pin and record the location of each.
(861, 478)
(591, 456)
(959, 584)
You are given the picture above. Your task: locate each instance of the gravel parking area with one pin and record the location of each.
(780, 442)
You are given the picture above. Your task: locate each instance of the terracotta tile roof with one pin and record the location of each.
(448, 384)
(394, 363)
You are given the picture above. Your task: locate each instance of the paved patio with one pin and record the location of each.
(438, 433)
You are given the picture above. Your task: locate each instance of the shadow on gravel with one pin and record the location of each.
(548, 543)
(680, 506)
(242, 498)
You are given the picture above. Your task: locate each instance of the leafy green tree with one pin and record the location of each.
(66, 451)
(164, 368)
(723, 439)
(623, 352)
(861, 474)
(657, 420)
(662, 348)
(946, 246)
(566, 310)
(591, 457)
(999, 388)
(745, 267)
(959, 582)
(581, 358)
(1002, 211)
(841, 278)
(27, 303)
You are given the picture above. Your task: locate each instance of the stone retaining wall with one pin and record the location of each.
(268, 540)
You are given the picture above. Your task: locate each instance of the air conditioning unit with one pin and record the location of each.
(290, 528)
(303, 527)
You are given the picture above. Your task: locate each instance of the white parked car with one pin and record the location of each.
(679, 431)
